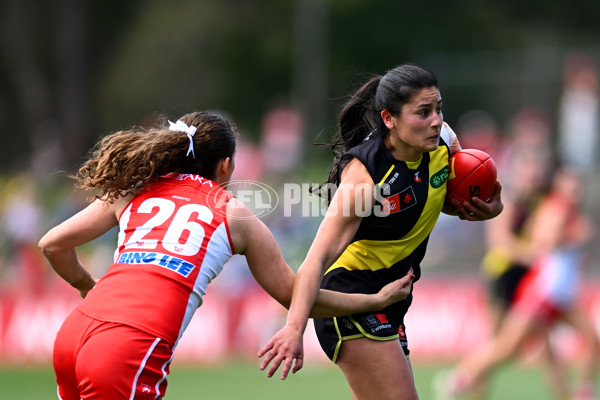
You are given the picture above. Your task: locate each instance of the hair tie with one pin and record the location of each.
(190, 131)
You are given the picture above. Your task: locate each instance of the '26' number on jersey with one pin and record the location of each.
(183, 236)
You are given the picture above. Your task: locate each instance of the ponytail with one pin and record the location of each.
(357, 119)
(360, 116)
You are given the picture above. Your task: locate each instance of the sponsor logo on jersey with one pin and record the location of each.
(347, 323)
(145, 388)
(417, 179)
(180, 197)
(394, 177)
(382, 318)
(400, 201)
(401, 332)
(195, 178)
(375, 324)
(438, 179)
(175, 264)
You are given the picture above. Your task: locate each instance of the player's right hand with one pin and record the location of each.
(285, 347)
(479, 210)
(84, 292)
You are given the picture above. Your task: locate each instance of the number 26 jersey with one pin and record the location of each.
(173, 240)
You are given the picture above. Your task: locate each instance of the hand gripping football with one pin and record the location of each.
(472, 174)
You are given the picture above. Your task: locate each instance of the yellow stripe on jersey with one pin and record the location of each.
(386, 175)
(374, 255)
(496, 262)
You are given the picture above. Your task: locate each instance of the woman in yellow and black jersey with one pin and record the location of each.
(390, 240)
(390, 171)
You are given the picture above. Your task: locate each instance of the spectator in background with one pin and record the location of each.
(479, 130)
(282, 142)
(528, 130)
(20, 216)
(579, 114)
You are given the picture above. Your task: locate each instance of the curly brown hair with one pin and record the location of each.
(127, 161)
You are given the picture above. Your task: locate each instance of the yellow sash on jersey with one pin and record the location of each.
(379, 254)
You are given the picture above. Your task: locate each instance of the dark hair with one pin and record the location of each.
(361, 115)
(127, 161)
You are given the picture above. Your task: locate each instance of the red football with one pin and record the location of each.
(472, 174)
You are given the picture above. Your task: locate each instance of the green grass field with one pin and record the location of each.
(244, 381)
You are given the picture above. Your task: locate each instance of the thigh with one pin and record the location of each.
(377, 369)
(120, 362)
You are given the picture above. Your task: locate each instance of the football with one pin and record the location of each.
(472, 174)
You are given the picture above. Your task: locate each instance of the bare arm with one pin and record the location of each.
(555, 224)
(58, 245)
(332, 304)
(336, 231)
(253, 239)
(559, 220)
(501, 237)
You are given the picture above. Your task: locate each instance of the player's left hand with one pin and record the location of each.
(479, 210)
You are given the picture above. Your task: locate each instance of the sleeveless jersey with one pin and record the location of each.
(498, 261)
(393, 238)
(173, 241)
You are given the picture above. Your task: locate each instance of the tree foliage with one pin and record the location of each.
(72, 70)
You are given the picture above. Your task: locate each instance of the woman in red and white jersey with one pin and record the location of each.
(166, 189)
(547, 294)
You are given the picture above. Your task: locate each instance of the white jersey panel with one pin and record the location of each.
(218, 252)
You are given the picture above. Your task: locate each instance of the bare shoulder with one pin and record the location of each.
(356, 192)
(119, 204)
(356, 172)
(242, 223)
(237, 211)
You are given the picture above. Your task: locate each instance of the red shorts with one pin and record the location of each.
(533, 301)
(105, 360)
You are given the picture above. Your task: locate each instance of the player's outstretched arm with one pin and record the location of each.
(253, 239)
(336, 231)
(332, 304)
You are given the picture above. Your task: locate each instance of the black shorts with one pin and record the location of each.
(504, 287)
(331, 332)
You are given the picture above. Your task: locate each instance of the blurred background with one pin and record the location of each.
(513, 74)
